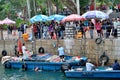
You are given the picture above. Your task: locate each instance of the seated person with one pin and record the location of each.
(116, 65)
(89, 65)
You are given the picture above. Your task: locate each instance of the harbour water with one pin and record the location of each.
(15, 74)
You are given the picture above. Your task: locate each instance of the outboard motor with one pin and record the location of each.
(65, 67)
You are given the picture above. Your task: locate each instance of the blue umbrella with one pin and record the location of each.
(38, 18)
(56, 17)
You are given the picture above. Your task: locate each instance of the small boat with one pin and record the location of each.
(99, 72)
(44, 61)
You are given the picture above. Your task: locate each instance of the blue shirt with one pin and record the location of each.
(61, 51)
(116, 66)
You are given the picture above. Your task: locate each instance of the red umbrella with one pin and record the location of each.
(19, 43)
(73, 17)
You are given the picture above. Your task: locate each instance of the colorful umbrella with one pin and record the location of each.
(95, 14)
(73, 17)
(38, 18)
(8, 21)
(56, 17)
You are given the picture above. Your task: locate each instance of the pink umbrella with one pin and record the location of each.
(1, 22)
(8, 21)
(73, 17)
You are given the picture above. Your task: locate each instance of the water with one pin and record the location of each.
(15, 74)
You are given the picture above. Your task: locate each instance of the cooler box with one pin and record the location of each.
(25, 36)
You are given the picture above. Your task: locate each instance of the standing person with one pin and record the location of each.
(61, 52)
(98, 28)
(82, 26)
(116, 65)
(89, 66)
(24, 49)
(91, 26)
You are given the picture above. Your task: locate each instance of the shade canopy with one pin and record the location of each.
(8, 21)
(56, 17)
(1, 22)
(95, 14)
(73, 17)
(39, 18)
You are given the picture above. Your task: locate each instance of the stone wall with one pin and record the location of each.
(81, 47)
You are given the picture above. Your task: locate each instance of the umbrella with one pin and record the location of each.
(1, 22)
(56, 17)
(38, 18)
(95, 14)
(8, 21)
(73, 17)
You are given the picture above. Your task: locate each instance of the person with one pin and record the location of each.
(24, 49)
(116, 65)
(61, 52)
(89, 65)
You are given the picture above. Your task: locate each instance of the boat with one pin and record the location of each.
(44, 61)
(99, 72)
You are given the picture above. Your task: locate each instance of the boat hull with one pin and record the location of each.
(41, 65)
(93, 74)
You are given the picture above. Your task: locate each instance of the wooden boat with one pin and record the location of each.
(100, 72)
(43, 62)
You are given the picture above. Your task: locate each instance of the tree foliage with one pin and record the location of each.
(9, 8)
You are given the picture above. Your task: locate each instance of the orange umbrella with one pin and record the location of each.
(19, 43)
(73, 17)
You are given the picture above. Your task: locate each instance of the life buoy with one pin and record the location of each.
(41, 50)
(104, 58)
(7, 64)
(24, 66)
(98, 40)
(4, 53)
(65, 67)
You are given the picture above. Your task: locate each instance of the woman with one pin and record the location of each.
(98, 28)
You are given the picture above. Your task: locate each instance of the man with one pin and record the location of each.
(61, 52)
(89, 66)
(116, 65)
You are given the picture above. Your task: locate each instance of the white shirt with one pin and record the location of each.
(89, 66)
(61, 51)
(24, 52)
(23, 49)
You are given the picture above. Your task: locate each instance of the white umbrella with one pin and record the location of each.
(95, 14)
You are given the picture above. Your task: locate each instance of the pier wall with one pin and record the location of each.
(81, 47)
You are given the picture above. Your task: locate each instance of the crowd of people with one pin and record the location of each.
(57, 30)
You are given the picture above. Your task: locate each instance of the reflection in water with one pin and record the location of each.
(15, 74)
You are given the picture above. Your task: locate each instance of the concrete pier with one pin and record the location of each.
(77, 47)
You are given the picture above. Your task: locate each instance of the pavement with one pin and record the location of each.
(28, 30)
